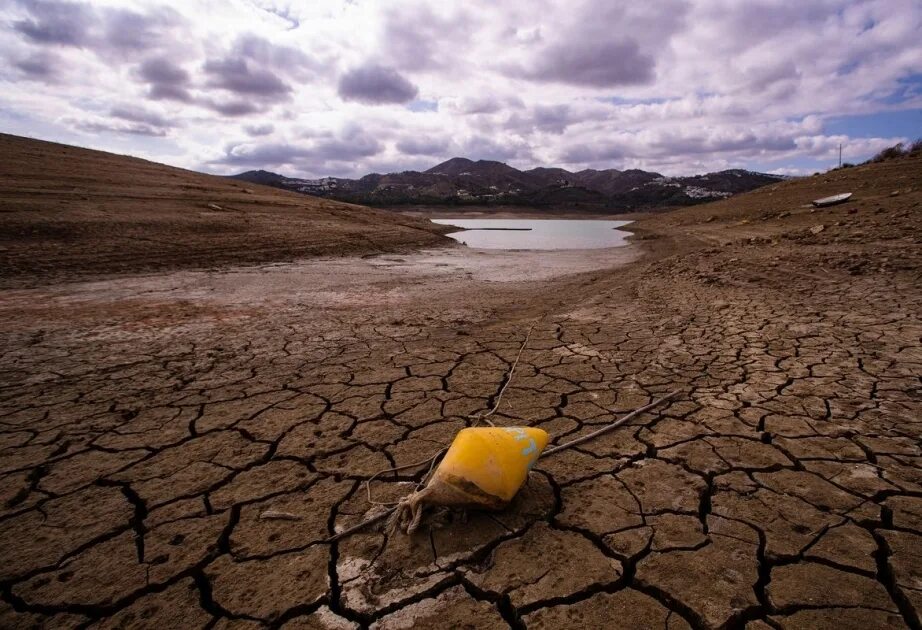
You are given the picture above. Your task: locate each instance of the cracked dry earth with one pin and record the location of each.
(143, 438)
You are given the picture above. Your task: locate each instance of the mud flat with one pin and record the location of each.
(146, 423)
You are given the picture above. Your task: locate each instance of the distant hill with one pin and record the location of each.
(460, 181)
(265, 178)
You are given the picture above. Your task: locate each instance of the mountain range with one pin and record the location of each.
(460, 181)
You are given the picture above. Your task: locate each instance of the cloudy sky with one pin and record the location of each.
(328, 87)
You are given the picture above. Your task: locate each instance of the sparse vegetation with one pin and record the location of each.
(898, 150)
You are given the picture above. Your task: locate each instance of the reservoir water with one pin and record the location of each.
(538, 233)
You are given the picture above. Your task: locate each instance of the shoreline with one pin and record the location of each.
(511, 212)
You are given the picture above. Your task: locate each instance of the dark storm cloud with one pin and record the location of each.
(135, 129)
(603, 44)
(126, 119)
(415, 38)
(236, 75)
(349, 145)
(754, 22)
(373, 84)
(552, 118)
(167, 80)
(115, 36)
(167, 92)
(593, 64)
(424, 145)
(254, 68)
(261, 51)
(231, 108)
(61, 23)
(778, 75)
(247, 79)
(104, 31)
(162, 70)
(544, 118)
(409, 43)
(39, 66)
(126, 30)
(259, 130)
(585, 153)
(485, 104)
(137, 114)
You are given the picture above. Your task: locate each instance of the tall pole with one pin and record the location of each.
(840, 155)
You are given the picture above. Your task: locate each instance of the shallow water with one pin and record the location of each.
(538, 233)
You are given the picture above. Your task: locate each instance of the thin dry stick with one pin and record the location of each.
(556, 449)
(362, 525)
(279, 516)
(502, 390)
(613, 425)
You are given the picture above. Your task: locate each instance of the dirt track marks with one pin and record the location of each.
(138, 457)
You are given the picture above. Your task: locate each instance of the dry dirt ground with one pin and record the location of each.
(146, 422)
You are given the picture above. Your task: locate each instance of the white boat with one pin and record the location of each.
(831, 201)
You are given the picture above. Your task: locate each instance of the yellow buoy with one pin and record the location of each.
(489, 465)
(483, 468)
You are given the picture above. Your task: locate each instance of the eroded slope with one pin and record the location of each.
(67, 212)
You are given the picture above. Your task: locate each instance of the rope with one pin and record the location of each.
(610, 427)
(428, 460)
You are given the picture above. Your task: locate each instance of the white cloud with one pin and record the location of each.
(322, 88)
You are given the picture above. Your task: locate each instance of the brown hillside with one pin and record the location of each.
(878, 229)
(67, 211)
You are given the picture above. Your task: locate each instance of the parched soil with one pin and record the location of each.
(147, 424)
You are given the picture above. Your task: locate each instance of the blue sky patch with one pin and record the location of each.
(902, 123)
(423, 106)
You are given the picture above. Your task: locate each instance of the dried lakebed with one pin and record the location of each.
(146, 423)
